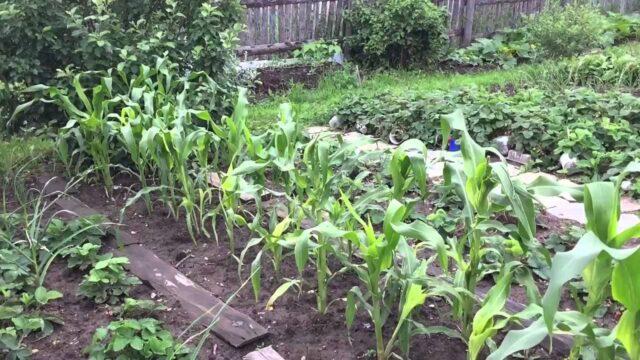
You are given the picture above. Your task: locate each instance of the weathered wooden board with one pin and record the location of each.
(231, 325)
(263, 354)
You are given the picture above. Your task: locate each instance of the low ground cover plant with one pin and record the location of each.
(135, 339)
(30, 241)
(582, 123)
(108, 281)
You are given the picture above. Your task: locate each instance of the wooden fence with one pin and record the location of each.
(275, 26)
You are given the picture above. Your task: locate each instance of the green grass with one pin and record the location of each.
(316, 106)
(26, 153)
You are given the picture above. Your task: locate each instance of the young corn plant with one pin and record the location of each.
(90, 128)
(608, 267)
(271, 241)
(485, 189)
(378, 253)
(408, 168)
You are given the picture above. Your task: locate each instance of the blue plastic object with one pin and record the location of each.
(454, 145)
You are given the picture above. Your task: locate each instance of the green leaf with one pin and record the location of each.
(414, 298)
(625, 282)
(280, 291)
(256, 270)
(301, 250)
(137, 343)
(628, 333)
(119, 342)
(519, 340)
(568, 265)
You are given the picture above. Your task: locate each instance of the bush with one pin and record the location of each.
(41, 40)
(397, 33)
(568, 30)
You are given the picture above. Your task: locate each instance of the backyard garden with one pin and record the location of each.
(412, 190)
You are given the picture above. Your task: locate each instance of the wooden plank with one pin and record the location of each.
(230, 325)
(265, 3)
(273, 24)
(264, 25)
(339, 19)
(265, 49)
(263, 354)
(470, 9)
(281, 20)
(308, 23)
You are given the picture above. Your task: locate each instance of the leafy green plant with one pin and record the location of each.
(136, 308)
(77, 36)
(506, 50)
(318, 51)
(606, 266)
(135, 339)
(107, 281)
(378, 252)
(397, 33)
(82, 256)
(473, 182)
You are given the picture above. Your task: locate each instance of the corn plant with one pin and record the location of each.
(378, 253)
(271, 241)
(608, 268)
(95, 131)
(476, 183)
(408, 168)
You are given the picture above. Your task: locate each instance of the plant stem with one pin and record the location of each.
(321, 270)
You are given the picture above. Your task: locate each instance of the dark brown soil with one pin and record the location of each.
(278, 79)
(296, 330)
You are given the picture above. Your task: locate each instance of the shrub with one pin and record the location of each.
(37, 38)
(568, 30)
(397, 33)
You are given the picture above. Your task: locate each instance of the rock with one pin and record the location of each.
(518, 157)
(626, 185)
(502, 144)
(362, 128)
(567, 162)
(335, 122)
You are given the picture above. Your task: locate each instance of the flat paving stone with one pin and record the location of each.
(629, 205)
(317, 130)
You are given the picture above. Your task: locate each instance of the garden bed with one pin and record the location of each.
(295, 329)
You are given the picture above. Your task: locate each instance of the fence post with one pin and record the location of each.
(469, 11)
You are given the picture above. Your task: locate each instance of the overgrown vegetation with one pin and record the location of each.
(556, 32)
(45, 42)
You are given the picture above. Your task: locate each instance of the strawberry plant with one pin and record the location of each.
(135, 339)
(108, 281)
